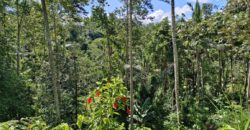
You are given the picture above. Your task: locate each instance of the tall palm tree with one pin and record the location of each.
(197, 15)
(197, 18)
(130, 63)
(200, 12)
(51, 60)
(19, 21)
(176, 66)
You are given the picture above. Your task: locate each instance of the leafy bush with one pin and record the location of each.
(232, 117)
(63, 126)
(15, 96)
(104, 105)
(34, 123)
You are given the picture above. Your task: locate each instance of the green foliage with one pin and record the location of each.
(62, 126)
(15, 95)
(34, 123)
(214, 57)
(103, 106)
(197, 15)
(142, 112)
(232, 117)
(170, 123)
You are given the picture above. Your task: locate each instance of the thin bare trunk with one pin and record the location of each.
(198, 76)
(220, 73)
(248, 7)
(130, 63)
(202, 75)
(248, 86)
(19, 22)
(223, 71)
(58, 85)
(165, 68)
(231, 66)
(126, 45)
(248, 65)
(176, 68)
(109, 56)
(76, 87)
(51, 60)
(1, 26)
(193, 79)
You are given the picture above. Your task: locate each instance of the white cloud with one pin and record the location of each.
(201, 1)
(183, 10)
(159, 15)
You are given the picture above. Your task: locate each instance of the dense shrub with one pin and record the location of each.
(104, 106)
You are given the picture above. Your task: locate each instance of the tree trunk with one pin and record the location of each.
(1, 26)
(248, 7)
(176, 68)
(126, 45)
(165, 68)
(198, 76)
(109, 56)
(248, 65)
(193, 80)
(202, 76)
(223, 71)
(57, 69)
(76, 87)
(247, 85)
(231, 67)
(130, 63)
(220, 73)
(51, 60)
(19, 22)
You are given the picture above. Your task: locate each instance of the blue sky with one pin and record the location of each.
(162, 10)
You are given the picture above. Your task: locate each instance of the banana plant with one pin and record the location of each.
(142, 112)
